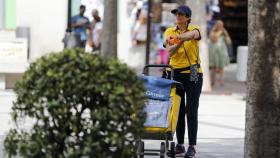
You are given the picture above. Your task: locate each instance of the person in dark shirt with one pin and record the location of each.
(79, 24)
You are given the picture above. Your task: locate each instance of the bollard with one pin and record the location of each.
(242, 58)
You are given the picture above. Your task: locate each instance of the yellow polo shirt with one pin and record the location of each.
(179, 59)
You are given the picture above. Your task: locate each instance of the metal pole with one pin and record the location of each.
(148, 33)
(69, 16)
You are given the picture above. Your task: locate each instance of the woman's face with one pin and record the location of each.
(143, 17)
(219, 25)
(181, 18)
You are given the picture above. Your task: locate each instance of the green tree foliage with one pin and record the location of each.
(82, 105)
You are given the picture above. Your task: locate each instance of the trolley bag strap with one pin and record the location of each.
(193, 68)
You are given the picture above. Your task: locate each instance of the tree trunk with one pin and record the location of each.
(262, 137)
(110, 29)
(199, 18)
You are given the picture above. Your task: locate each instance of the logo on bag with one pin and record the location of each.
(154, 95)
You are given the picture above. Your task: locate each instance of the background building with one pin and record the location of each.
(38, 27)
(234, 14)
(41, 23)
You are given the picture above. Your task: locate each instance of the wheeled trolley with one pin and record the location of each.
(162, 109)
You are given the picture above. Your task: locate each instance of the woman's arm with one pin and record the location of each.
(135, 32)
(187, 36)
(172, 48)
(89, 40)
(213, 37)
(227, 37)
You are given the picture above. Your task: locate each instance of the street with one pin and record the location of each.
(221, 120)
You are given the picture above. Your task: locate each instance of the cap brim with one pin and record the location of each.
(174, 11)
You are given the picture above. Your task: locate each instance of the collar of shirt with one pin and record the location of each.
(176, 28)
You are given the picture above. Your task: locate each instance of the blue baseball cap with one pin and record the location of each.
(183, 9)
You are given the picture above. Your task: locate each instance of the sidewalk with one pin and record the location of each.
(221, 120)
(231, 86)
(221, 127)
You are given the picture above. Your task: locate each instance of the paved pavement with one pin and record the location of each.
(231, 86)
(221, 127)
(221, 119)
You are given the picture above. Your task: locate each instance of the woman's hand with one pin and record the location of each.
(173, 44)
(172, 40)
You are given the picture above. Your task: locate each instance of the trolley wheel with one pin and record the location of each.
(172, 150)
(162, 150)
(141, 149)
(166, 145)
(137, 148)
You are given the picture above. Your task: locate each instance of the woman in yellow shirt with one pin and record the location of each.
(182, 43)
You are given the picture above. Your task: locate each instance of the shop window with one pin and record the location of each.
(75, 5)
(10, 14)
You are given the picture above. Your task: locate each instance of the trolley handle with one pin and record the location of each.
(145, 69)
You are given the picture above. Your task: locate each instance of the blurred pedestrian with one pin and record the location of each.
(162, 57)
(134, 16)
(182, 45)
(139, 38)
(95, 32)
(140, 29)
(218, 51)
(80, 24)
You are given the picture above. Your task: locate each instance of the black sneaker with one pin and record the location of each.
(179, 149)
(190, 153)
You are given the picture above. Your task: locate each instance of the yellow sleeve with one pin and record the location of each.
(193, 27)
(167, 33)
(196, 27)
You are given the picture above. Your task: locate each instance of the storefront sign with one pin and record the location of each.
(14, 50)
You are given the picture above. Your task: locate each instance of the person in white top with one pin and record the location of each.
(95, 32)
(140, 30)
